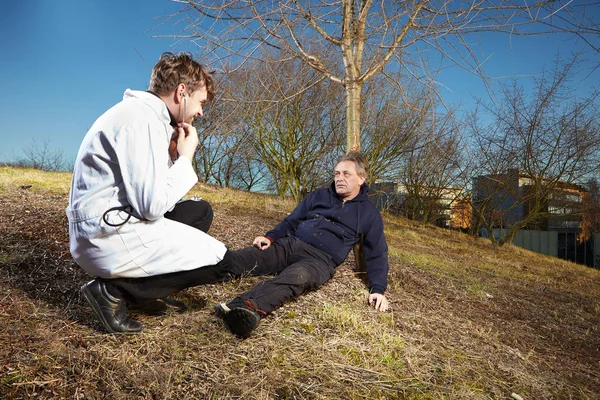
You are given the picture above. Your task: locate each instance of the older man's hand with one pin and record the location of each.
(379, 302)
(261, 242)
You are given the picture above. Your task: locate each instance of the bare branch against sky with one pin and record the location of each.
(350, 41)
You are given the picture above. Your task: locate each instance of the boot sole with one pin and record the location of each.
(241, 321)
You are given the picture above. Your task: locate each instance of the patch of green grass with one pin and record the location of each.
(391, 352)
(477, 289)
(9, 258)
(307, 327)
(11, 377)
(345, 319)
(278, 360)
(352, 355)
(40, 181)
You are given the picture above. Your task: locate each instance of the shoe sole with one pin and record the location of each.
(241, 321)
(98, 311)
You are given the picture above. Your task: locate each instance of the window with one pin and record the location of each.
(559, 210)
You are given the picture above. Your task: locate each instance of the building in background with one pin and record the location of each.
(442, 206)
(556, 213)
(561, 222)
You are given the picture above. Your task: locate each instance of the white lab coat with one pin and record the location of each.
(123, 160)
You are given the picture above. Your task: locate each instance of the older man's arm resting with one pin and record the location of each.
(376, 259)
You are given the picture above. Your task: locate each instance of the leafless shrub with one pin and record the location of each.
(42, 156)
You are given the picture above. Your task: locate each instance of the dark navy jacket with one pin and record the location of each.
(326, 222)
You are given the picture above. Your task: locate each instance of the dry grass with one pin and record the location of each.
(468, 321)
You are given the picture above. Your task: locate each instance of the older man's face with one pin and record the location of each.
(347, 181)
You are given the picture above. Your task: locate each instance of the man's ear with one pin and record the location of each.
(180, 93)
(362, 180)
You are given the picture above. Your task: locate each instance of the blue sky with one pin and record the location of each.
(64, 62)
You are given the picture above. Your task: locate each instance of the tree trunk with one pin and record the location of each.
(353, 109)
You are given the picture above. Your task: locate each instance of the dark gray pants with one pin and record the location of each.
(298, 267)
(195, 213)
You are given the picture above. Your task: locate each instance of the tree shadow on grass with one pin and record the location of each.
(42, 273)
(52, 277)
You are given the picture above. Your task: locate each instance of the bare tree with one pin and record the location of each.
(591, 220)
(291, 137)
(43, 156)
(350, 41)
(271, 129)
(536, 147)
(413, 147)
(434, 174)
(399, 120)
(226, 156)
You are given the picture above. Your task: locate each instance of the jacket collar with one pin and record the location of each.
(152, 101)
(362, 195)
(173, 122)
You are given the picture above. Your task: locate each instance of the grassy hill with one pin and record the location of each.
(468, 321)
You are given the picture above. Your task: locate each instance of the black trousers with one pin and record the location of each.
(297, 266)
(195, 213)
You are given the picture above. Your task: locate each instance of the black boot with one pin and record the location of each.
(111, 311)
(240, 316)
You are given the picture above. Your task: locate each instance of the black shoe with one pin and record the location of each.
(111, 311)
(240, 317)
(157, 306)
(224, 308)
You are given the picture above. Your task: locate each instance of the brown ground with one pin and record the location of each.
(468, 321)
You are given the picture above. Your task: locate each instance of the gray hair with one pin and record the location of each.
(358, 160)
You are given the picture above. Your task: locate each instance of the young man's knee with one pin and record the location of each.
(205, 209)
(204, 214)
